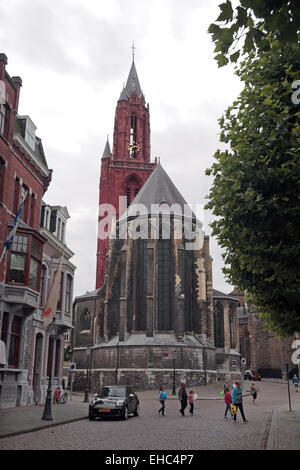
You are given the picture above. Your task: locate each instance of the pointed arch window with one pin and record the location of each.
(232, 327)
(133, 136)
(163, 283)
(219, 325)
(141, 285)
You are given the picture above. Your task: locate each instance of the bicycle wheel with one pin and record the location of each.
(64, 398)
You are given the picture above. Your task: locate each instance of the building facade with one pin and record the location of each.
(157, 318)
(263, 350)
(27, 268)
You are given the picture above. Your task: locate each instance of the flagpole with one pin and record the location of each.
(49, 322)
(2, 254)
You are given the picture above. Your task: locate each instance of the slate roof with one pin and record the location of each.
(38, 150)
(107, 151)
(158, 189)
(132, 85)
(220, 295)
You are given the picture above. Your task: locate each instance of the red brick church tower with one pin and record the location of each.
(128, 166)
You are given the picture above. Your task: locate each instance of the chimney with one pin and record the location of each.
(3, 63)
(17, 81)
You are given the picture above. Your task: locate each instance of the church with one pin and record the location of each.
(154, 318)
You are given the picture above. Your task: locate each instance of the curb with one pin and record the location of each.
(40, 428)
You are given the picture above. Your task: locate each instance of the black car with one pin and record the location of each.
(114, 401)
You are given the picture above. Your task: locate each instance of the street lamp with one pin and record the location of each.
(174, 375)
(48, 403)
(288, 384)
(86, 394)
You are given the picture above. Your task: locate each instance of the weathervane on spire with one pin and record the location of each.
(133, 49)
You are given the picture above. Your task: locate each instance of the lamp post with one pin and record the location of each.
(86, 394)
(174, 375)
(288, 383)
(48, 403)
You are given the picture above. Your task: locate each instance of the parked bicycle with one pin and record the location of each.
(64, 397)
(60, 396)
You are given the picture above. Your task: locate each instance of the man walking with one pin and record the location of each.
(237, 400)
(183, 398)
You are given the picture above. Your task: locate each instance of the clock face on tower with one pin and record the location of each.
(133, 148)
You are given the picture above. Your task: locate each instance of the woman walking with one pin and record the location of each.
(237, 400)
(162, 398)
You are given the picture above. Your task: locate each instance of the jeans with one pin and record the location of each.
(183, 406)
(191, 408)
(240, 406)
(162, 409)
(227, 409)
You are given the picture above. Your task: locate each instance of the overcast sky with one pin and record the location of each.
(74, 57)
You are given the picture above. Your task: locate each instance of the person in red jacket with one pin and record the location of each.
(228, 401)
(56, 396)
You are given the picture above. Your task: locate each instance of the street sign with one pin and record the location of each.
(243, 361)
(72, 367)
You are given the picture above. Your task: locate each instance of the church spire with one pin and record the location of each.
(107, 151)
(132, 84)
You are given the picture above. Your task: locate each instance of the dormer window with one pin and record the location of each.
(30, 133)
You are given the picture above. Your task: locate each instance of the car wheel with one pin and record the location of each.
(137, 410)
(92, 418)
(125, 415)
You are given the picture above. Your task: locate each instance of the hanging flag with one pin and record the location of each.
(51, 304)
(12, 232)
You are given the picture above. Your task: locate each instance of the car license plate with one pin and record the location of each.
(104, 410)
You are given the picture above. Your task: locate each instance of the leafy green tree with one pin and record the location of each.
(256, 187)
(252, 24)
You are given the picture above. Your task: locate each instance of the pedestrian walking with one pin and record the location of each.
(237, 400)
(162, 398)
(228, 401)
(183, 398)
(296, 382)
(191, 402)
(253, 391)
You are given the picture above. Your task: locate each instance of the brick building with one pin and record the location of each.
(27, 269)
(263, 350)
(154, 303)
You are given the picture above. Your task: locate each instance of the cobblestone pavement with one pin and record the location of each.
(269, 426)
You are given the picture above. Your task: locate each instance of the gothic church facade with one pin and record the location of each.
(154, 316)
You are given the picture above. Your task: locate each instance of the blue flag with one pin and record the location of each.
(12, 232)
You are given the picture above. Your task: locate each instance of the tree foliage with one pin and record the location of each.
(253, 23)
(255, 195)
